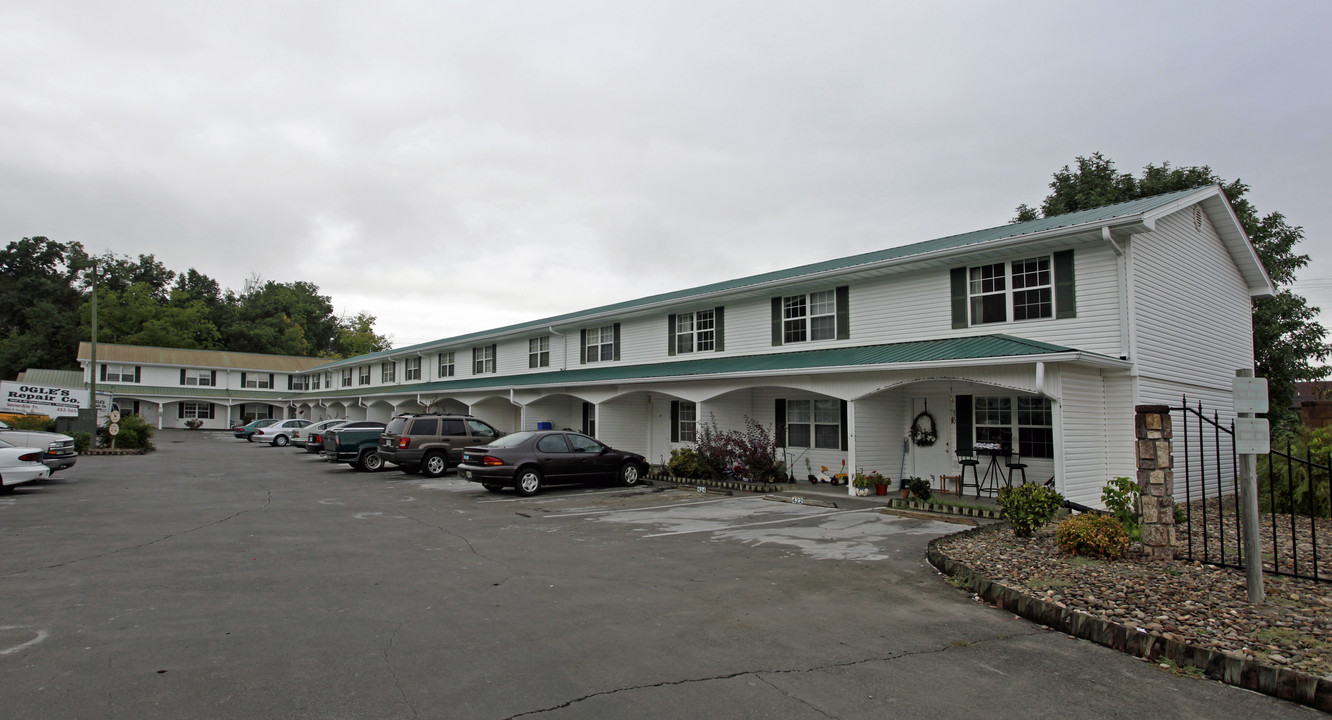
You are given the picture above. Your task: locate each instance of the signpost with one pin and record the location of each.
(1252, 438)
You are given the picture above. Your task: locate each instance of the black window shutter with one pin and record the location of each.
(964, 423)
(211, 410)
(582, 346)
(180, 409)
(675, 421)
(670, 334)
(779, 423)
(137, 370)
(182, 376)
(242, 379)
(958, 280)
(776, 321)
(289, 382)
(271, 386)
(474, 356)
(846, 432)
(494, 357)
(103, 378)
(615, 351)
(586, 416)
(1066, 296)
(843, 313)
(212, 378)
(719, 328)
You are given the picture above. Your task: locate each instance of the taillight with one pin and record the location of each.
(31, 457)
(295, 433)
(404, 443)
(491, 460)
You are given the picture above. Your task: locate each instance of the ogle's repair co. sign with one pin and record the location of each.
(24, 398)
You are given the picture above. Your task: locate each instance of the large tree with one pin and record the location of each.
(39, 302)
(1289, 344)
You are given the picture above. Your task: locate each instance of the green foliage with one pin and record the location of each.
(135, 433)
(1289, 343)
(31, 422)
(82, 441)
(685, 463)
(1029, 507)
(919, 487)
(38, 299)
(1285, 487)
(1121, 497)
(1092, 535)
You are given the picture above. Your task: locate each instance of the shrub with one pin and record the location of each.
(135, 433)
(754, 447)
(40, 423)
(1092, 535)
(1029, 507)
(919, 487)
(82, 441)
(194, 423)
(1286, 487)
(685, 463)
(1122, 497)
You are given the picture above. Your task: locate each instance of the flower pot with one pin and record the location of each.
(862, 492)
(881, 489)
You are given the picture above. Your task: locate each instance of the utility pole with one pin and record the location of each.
(92, 362)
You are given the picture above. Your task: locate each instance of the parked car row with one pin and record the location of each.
(433, 443)
(28, 455)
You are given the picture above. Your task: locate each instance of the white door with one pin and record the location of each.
(937, 459)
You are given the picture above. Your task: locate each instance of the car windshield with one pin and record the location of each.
(513, 440)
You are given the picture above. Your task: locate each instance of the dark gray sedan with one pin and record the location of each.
(529, 461)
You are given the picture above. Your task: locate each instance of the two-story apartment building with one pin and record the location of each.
(1041, 335)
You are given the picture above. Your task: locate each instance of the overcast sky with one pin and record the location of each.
(455, 166)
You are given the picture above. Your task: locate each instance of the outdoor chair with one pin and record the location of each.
(1015, 464)
(966, 457)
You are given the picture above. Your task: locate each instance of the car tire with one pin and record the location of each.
(249, 438)
(7, 489)
(528, 482)
(629, 476)
(280, 441)
(434, 464)
(370, 461)
(493, 488)
(410, 469)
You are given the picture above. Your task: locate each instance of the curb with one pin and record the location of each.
(1283, 683)
(754, 487)
(107, 451)
(970, 512)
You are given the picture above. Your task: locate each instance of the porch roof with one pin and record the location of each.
(949, 351)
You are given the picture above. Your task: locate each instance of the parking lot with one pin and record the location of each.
(221, 579)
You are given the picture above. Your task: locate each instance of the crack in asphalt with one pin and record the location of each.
(759, 673)
(465, 541)
(267, 501)
(397, 683)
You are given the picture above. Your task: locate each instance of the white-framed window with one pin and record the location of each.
(1027, 293)
(346, 377)
(809, 317)
(994, 420)
(314, 381)
(257, 381)
(1032, 423)
(818, 421)
(195, 410)
(483, 359)
(696, 331)
(446, 364)
(299, 382)
(688, 421)
(388, 372)
(600, 344)
(411, 368)
(538, 352)
(199, 377)
(119, 373)
(1035, 427)
(363, 375)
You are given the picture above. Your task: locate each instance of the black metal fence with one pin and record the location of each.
(1294, 496)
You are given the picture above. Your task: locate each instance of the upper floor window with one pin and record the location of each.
(346, 377)
(483, 360)
(1027, 289)
(298, 382)
(388, 372)
(363, 375)
(257, 381)
(198, 377)
(120, 373)
(819, 315)
(411, 368)
(314, 381)
(538, 352)
(601, 344)
(696, 331)
(446, 364)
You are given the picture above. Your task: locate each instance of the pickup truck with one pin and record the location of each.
(355, 446)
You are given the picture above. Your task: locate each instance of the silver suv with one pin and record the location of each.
(431, 443)
(57, 450)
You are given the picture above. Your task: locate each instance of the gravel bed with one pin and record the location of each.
(1189, 601)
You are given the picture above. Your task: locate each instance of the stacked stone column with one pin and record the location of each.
(1156, 478)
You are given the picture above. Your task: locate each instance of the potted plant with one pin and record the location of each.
(862, 483)
(918, 487)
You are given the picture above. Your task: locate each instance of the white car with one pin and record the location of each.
(20, 465)
(58, 450)
(301, 437)
(279, 433)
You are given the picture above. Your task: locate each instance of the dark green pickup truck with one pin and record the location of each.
(355, 446)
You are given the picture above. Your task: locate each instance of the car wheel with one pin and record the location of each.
(280, 441)
(434, 464)
(410, 469)
(249, 438)
(629, 475)
(371, 461)
(529, 482)
(7, 489)
(493, 488)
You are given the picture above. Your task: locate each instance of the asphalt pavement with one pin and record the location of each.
(221, 579)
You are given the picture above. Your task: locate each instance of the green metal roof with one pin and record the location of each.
(1094, 216)
(982, 347)
(52, 378)
(191, 392)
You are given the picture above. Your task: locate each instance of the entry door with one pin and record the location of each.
(938, 458)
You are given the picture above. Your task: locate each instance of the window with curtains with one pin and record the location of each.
(483, 360)
(600, 344)
(347, 377)
(119, 373)
(363, 375)
(388, 372)
(695, 331)
(198, 377)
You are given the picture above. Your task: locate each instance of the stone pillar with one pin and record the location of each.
(1156, 478)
